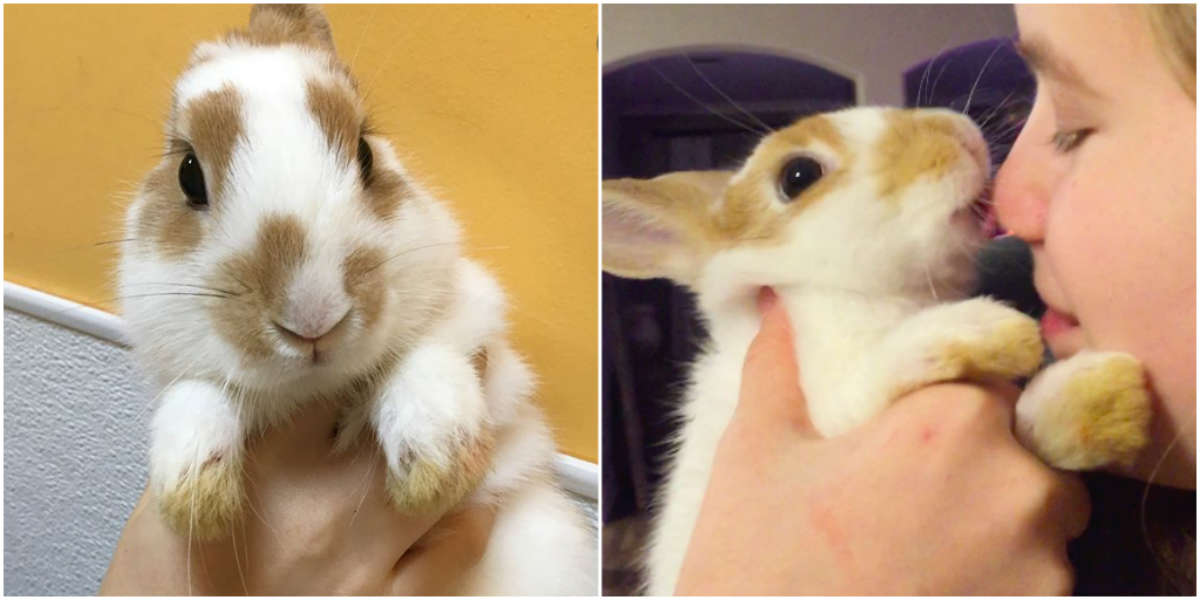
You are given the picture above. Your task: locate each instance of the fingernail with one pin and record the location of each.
(766, 299)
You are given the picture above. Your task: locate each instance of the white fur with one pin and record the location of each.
(439, 309)
(431, 399)
(194, 422)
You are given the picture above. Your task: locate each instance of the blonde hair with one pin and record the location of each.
(1173, 28)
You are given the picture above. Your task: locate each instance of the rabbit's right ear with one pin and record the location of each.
(295, 23)
(660, 227)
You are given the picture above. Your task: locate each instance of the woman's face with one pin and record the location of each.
(1101, 183)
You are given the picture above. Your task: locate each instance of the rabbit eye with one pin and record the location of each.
(191, 181)
(365, 161)
(797, 175)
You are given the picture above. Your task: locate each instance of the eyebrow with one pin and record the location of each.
(1042, 58)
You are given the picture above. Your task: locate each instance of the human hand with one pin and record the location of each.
(934, 496)
(319, 524)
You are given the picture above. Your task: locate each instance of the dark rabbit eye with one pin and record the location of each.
(191, 181)
(797, 175)
(365, 161)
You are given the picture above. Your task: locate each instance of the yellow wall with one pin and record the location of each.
(496, 106)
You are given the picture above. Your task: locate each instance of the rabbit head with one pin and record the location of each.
(870, 200)
(278, 241)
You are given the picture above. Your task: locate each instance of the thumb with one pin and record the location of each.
(770, 390)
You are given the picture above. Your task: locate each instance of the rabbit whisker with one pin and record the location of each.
(731, 102)
(933, 87)
(405, 252)
(705, 106)
(365, 485)
(982, 70)
(189, 285)
(932, 288)
(196, 294)
(109, 242)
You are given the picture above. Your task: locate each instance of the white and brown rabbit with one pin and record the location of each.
(282, 255)
(865, 222)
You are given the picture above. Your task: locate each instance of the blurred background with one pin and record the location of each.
(694, 87)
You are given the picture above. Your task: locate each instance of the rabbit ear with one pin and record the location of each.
(294, 23)
(660, 227)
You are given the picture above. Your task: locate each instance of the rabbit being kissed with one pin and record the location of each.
(281, 255)
(866, 222)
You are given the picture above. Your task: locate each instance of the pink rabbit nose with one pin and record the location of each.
(310, 331)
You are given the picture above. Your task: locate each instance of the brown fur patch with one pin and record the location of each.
(746, 214)
(913, 146)
(213, 125)
(480, 361)
(300, 24)
(387, 191)
(364, 281)
(338, 114)
(207, 502)
(274, 24)
(1103, 417)
(280, 249)
(164, 218)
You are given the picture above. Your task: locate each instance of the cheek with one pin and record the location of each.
(1093, 244)
(1121, 248)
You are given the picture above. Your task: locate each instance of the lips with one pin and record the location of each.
(1055, 323)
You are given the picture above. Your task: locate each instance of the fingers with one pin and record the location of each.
(770, 390)
(436, 564)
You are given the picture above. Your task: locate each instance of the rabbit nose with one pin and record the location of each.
(311, 330)
(313, 307)
(970, 136)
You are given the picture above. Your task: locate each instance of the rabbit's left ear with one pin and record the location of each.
(660, 227)
(291, 23)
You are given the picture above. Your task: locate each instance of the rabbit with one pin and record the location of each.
(280, 255)
(865, 221)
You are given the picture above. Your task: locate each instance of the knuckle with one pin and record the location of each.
(1037, 497)
(968, 406)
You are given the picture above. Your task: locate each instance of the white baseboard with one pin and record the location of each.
(578, 476)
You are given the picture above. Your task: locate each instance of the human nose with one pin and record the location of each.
(1022, 188)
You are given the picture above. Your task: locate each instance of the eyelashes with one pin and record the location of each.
(1066, 141)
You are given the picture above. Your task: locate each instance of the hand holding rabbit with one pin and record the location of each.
(935, 496)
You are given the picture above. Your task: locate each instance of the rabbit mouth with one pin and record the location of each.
(979, 214)
(981, 208)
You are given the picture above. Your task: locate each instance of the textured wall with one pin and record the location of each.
(74, 455)
(75, 418)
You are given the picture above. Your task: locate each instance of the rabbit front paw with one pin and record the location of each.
(1086, 412)
(973, 339)
(205, 502)
(424, 482)
(195, 460)
(431, 422)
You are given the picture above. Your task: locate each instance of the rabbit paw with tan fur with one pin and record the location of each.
(195, 460)
(430, 420)
(1087, 411)
(974, 339)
